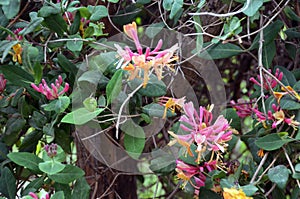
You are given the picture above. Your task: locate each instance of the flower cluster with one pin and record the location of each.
(139, 63)
(242, 107)
(195, 175)
(17, 48)
(52, 93)
(207, 135)
(51, 149)
(269, 81)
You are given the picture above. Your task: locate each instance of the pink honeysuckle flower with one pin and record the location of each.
(268, 80)
(51, 150)
(207, 136)
(52, 93)
(276, 117)
(16, 35)
(242, 107)
(137, 62)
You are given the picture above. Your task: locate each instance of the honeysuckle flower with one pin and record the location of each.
(52, 93)
(288, 90)
(268, 80)
(139, 63)
(242, 107)
(277, 117)
(35, 196)
(200, 130)
(2, 83)
(171, 103)
(17, 54)
(16, 35)
(233, 193)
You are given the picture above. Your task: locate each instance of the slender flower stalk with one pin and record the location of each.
(53, 92)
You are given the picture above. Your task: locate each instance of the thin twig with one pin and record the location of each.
(130, 95)
(224, 15)
(291, 164)
(266, 170)
(259, 167)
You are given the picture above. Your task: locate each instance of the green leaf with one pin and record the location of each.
(279, 175)
(17, 76)
(249, 189)
(253, 7)
(35, 21)
(134, 140)
(67, 66)
(114, 86)
(270, 33)
(288, 76)
(75, 44)
(154, 29)
(56, 23)
(297, 167)
(76, 24)
(68, 174)
(176, 7)
(31, 140)
(295, 193)
(58, 105)
(101, 101)
(51, 167)
(6, 47)
(81, 189)
(58, 195)
(162, 161)
(12, 9)
(90, 103)
(269, 51)
(289, 104)
(47, 11)
(156, 110)
(98, 12)
(220, 51)
(8, 185)
(167, 4)
(199, 38)
(81, 116)
(34, 185)
(271, 142)
(291, 14)
(154, 88)
(25, 159)
(12, 130)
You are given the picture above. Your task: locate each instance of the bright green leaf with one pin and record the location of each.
(68, 174)
(51, 167)
(58, 105)
(12, 9)
(253, 7)
(81, 116)
(75, 44)
(114, 86)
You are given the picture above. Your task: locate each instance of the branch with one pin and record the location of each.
(224, 15)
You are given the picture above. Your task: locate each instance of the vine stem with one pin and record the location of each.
(291, 164)
(223, 15)
(130, 95)
(263, 160)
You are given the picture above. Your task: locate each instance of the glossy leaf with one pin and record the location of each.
(75, 44)
(51, 167)
(81, 116)
(114, 86)
(279, 175)
(98, 12)
(58, 105)
(25, 159)
(220, 51)
(68, 174)
(271, 142)
(12, 9)
(289, 104)
(253, 7)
